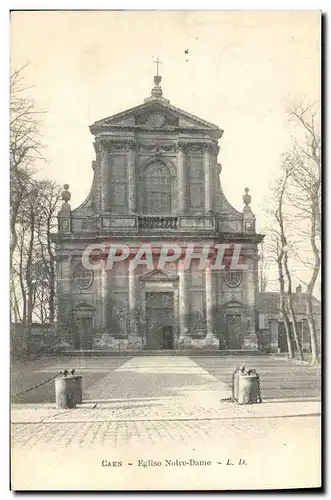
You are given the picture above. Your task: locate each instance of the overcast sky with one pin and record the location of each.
(241, 70)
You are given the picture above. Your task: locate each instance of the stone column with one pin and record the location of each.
(181, 179)
(208, 179)
(211, 339)
(135, 341)
(105, 166)
(132, 178)
(184, 336)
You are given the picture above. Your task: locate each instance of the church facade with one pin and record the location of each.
(156, 182)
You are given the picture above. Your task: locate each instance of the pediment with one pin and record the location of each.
(158, 275)
(157, 114)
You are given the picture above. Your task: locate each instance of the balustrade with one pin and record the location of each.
(158, 222)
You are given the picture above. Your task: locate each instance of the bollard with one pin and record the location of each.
(235, 381)
(78, 389)
(65, 392)
(249, 388)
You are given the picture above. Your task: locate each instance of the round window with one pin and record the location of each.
(82, 277)
(233, 277)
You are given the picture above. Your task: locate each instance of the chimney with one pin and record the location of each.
(298, 289)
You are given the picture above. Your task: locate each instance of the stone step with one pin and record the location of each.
(170, 352)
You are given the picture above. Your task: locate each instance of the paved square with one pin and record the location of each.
(167, 408)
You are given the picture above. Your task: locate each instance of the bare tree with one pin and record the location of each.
(305, 196)
(33, 273)
(281, 245)
(25, 148)
(49, 205)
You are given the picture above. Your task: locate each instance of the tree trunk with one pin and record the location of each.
(287, 326)
(312, 330)
(283, 306)
(290, 305)
(311, 285)
(294, 327)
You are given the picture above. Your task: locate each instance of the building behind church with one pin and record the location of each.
(156, 180)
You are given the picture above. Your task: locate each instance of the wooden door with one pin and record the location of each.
(234, 327)
(159, 319)
(85, 333)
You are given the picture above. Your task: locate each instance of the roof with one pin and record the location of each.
(268, 302)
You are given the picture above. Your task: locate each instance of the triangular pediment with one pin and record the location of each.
(155, 114)
(158, 275)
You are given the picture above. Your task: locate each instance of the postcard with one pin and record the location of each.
(165, 253)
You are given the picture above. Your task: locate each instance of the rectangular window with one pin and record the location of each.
(118, 182)
(196, 183)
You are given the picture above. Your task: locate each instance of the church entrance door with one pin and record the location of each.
(159, 320)
(234, 331)
(85, 337)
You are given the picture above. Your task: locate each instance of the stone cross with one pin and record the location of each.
(157, 62)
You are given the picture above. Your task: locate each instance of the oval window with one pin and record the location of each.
(83, 277)
(233, 277)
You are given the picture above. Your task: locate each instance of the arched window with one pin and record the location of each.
(157, 189)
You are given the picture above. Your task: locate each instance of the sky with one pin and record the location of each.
(241, 71)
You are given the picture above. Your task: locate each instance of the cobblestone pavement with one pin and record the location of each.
(280, 378)
(279, 452)
(66, 435)
(28, 374)
(145, 410)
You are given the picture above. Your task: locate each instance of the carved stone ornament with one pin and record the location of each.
(196, 147)
(66, 195)
(65, 225)
(247, 197)
(156, 119)
(160, 148)
(109, 145)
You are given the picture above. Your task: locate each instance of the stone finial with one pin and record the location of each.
(157, 90)
(157, 80)
(66, 195)
(247, 197)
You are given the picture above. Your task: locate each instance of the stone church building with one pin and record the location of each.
(156, 179)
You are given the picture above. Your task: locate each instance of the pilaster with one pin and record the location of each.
(181, 179)
(208, 178)
(211, 339)
(132, 178)
(184, 337)
(105, 166)
(135, 340)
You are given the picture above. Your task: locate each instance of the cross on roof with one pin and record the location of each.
(157, 62)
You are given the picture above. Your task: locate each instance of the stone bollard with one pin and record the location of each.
(249, 388)
(235, 381)
(65, 388)
(78, 389)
